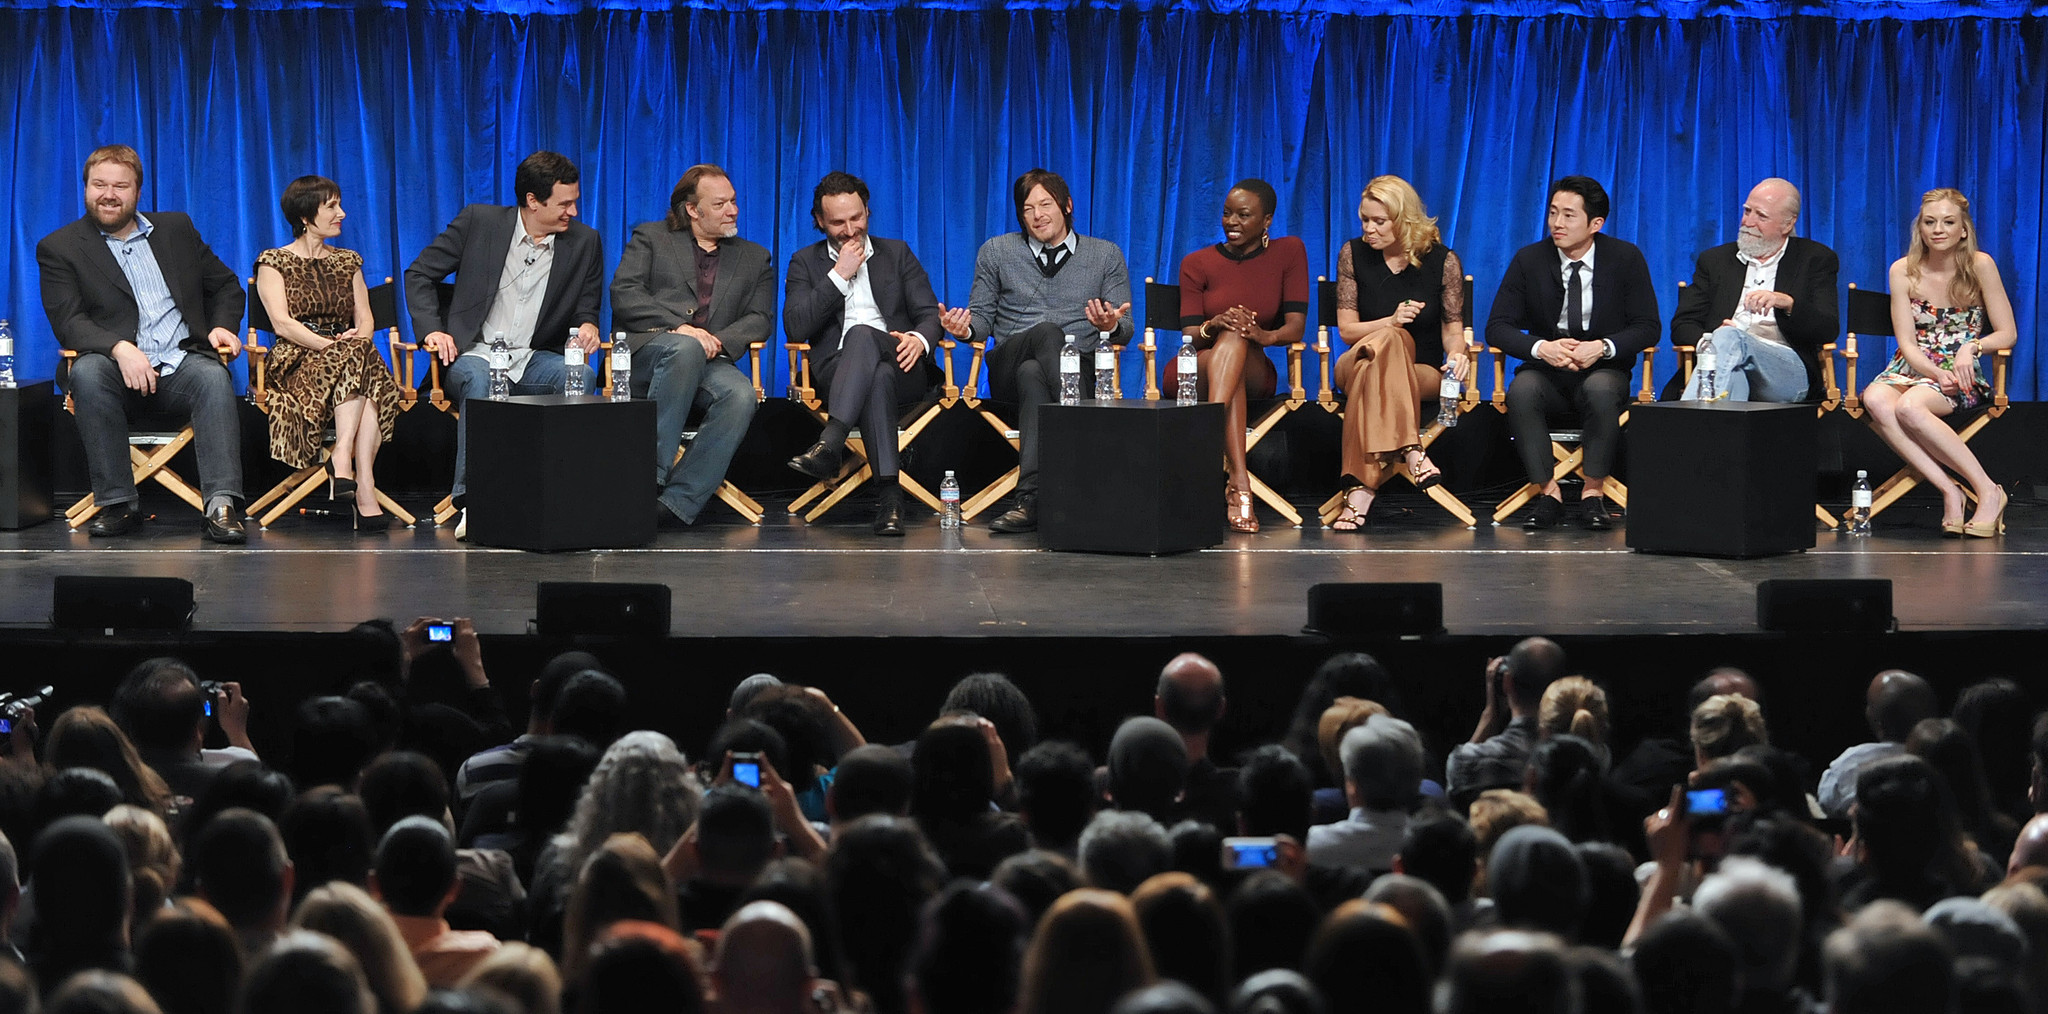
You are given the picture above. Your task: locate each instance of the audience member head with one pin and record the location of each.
(1198, 852)
(735, 835)
(880, 873)
(349, 915)
(546, 688)
(1574, 705)
(1568, 776)
(520, 973)
(1423, 910)
(1055, 792)
(306, 973)
(1189, 695)
(953, 777)
(992, 696)
(79, 859)
(1999, 719)
(1944, 745)
(1348, 674)
(2027, 907)
(799, 885)
(1605, 983)
(332, 740)
(870, 779)
(763, 962)
(1507, 971)
(640, 968)
(1120, 850)
(160, 707)
(1087, 953)
(415, 868)
(21, 789)
(1185, 933)
(1276, 991)
(970, 951)
(246, 785)
(1538, 882)
(153, 860)
(1164, 997)
(327, 833)
(1440, 849)
(403, 784)
(743, 694)
(1758, 907)
(1723, 679)
(1977, 931)
(1723, 724)
(743, 735)
(1611, 892)
(1886, 961)
(101, 991)
(1364, 958)
(1383, 764)
(805, 720)
(1148, 765)
(1895, 702)
(387, 715)
(75, 792)
(1272, 918)
(1275, 794)
(1343, 715)
(1907, 835)
(187, 957)
(240, 867)
(86, 737)
(1036, 879)
(1687, 965)
(642, 785)
(1494, 814)
(1531, 666)
(591, 707)
(1800, 851)
(551, 779)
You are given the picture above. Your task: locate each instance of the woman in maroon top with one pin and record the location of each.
(1236, 298)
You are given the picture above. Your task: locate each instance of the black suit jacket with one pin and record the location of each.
(1807, 274)
(473, 247)
(92, 307)
(1531, 297)
(812, 306)
(655, 289)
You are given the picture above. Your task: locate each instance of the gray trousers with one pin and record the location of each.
(202, 390)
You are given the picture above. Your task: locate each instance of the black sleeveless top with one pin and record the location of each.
(1379, 291)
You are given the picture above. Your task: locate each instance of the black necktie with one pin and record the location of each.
(1575, 302)
(1050, 259)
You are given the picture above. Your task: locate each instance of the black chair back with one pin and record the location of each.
(384, 306)
(1326, 304)
(1162, 306)
(1869, 313)
(259, 317)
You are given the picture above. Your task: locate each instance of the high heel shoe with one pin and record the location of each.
(1239, 504)
(1424, 472)
(338, 486)
(369, 524)
(1996, 526)
(1350, 516)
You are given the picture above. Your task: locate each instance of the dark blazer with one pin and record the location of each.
(92, 307)
(473, 247)
(655, 289)
(1531, 297)
(1807, 274)
(812, 307)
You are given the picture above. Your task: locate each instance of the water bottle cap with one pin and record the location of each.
(1861, 474)
(949, 473)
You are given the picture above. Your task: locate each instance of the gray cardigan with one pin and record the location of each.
(1010, 293)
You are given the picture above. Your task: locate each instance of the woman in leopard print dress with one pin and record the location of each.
(324, 369)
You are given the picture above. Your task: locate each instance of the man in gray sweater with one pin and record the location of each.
(1031, 290)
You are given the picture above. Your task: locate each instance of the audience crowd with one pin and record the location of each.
(413, 854)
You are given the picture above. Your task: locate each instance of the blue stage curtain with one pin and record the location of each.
(1149, 111)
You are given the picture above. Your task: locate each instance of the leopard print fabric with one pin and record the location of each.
(306, 385)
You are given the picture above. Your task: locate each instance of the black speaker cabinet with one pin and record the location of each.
(597, 609)
(1731, 479)
(554, 472)
(121, 603)
(1852, 605)
(1130, 476)
(26, 414)
(1375, 609)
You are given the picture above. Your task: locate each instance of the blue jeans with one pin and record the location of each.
(470, 377)
(1751, 369)
(201, 390)
(672, 370)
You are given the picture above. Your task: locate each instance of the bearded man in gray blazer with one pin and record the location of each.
(691, 296)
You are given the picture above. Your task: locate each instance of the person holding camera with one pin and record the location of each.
(1496, 755)
(165, 709)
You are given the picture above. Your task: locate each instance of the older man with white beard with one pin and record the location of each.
(1773, 296)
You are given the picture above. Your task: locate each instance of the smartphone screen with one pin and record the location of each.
(747, 773)
(440, 632)
(1250, 853)
(1706, 802)
(6, 726)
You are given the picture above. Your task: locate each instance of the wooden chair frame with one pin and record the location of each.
(300, 484)
(149, 459)
(1569, 460)
(855, 469)
(734, 497)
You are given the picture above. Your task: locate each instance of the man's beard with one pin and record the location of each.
(126, 215)
(1755, 244)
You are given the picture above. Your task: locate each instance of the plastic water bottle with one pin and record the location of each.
(1706, 368)
(1070, 373)
(6, 354)
(501, 367)
(573, 382)
(949, 501)
(1857, 521)
(622, 367)
(1447, 394)
(1185, 366)
(1105, 370)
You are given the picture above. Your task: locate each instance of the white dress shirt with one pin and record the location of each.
(521, 288)
(1564, 312)
(860, 294)
(1761, 273)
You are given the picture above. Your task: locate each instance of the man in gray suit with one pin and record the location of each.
(531, 273)
(151, 313)
(691, 296)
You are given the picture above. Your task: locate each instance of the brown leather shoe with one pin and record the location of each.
(223, 524)
(1019, 519)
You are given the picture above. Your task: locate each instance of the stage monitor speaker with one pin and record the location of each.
(1841, 605)
(121, 603)
(1375, 609)
(592, 608)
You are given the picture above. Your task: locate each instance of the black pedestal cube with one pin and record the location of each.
(26, 414)
(1731, 479)
(554, 472)
(1130, 476)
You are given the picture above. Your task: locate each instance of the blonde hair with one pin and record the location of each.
(1725, 723)
(1088, 952)
(623, 879)
(86, 736)
(524, 974)
(1343, 715)
(1414, 230)
(1495, 813)
(347, 913)
(1576, 706)
(1964, 288)
(153, 861)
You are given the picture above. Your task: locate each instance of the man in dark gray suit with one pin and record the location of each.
(531, 273)
(691, 296)
(151, 313)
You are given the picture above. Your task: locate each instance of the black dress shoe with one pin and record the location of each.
(1548, 509)
(119, 519)
(1021, 518)
(889, 513)
(820, 462)
(223, 524)
(665, 520)
(1597, 517)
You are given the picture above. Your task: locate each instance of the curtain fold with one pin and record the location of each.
(1149, 111)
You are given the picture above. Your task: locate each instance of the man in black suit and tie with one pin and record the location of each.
(691, 296)
(1764, 304)
(531, 273)
(152, 313)
(866, 307)
(1576, 309)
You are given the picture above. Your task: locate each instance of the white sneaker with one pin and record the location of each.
(462, 525)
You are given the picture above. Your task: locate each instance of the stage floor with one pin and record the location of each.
(786, 578)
